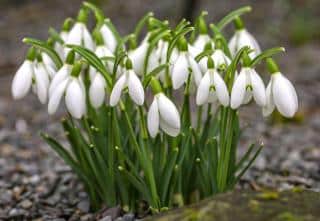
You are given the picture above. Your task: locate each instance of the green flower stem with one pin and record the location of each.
(233, 15)
(147, 166)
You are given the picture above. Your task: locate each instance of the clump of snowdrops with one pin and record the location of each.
(153, 118)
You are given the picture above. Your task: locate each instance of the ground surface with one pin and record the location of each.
(36, 184)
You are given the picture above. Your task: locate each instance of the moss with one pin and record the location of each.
(287, 216)
(269, 195)
(297, 189)
(254, 205)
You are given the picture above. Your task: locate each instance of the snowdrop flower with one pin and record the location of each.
(59, 46)
(212, 87)
(203, 38)
(130, 80)
(22, 80)
(73, 89)
(79, 34)
(220, 59)
(98, 83)
(182, 65)
(110, 39)
(248, 84)
(63, 73)
(280, 94)
(243, 38)
(42, 81)
(138, 56)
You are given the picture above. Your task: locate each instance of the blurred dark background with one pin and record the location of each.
(287, 22)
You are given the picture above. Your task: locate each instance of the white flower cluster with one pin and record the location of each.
(205, 77)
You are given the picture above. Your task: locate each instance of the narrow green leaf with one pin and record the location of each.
(232, 15)
(93, 60)
(55, 35)
(249, 164)
(46, 48)
(203, 54)
(266, 54)
(153, 73)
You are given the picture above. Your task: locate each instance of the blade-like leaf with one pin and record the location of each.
(232, 15)
(265, 54)
(46, 48)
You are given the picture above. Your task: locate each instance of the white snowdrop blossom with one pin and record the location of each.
(62, 74)
(49, 63)
(181, 68)
(212, 88)
(243, 38)
(130, 80)
(163, 114)
(22, 80)
(219, 58)
(110, 39)
(282, 95)
(42, 81)
(59, 46)
(248, 84)
(201, 41)
(75, 97)
(138, 56)
(79, 35)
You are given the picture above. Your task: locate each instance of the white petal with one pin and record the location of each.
(48, 61)
(196, 72)
(201, 41)
(87, 39)
(247, 96)
(246, 39)
(75, 34)
(258, 88)
(97, 91)
(153, 119)
(137, 57)
(22, 80)
(203, 89)
(168, 111)
(203, 64)
(193, 51)
(269, 107)
(284, 95)
(221, 89)
(75, 99)
(42, 82)
(135, 87)
(180, 71)
(117, 90)
(109, 38)
(233, 43)
(168, 129)
(103, 51)
(238, 90)
(61, 75)
(56, 96)
(220, 58)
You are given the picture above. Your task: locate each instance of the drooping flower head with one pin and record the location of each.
(212, 87)
(79, 34)
(72, 87)
(184, 65)
(162, 114)
(129, 80)
(243, 38)
(280, 93)
(59, 45)
(22, 80)
(247, 84)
